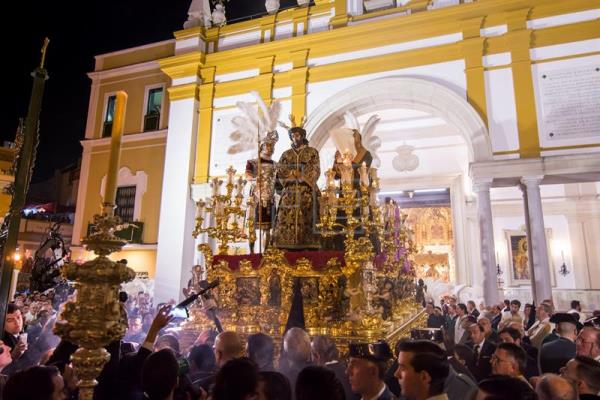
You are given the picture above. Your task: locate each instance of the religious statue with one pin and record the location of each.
(256, 131)
(274, 289)
(261, 173)
(193, 285)
(298, 170)
(352, 151)
(384, 298)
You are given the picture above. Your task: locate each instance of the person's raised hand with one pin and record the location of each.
(162, 319)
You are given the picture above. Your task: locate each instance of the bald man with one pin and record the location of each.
(228, 346)
(554, 387)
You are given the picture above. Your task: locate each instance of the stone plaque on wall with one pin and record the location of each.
(570, 99)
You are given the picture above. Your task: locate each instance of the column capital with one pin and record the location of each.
(482, 185)
(532, 181)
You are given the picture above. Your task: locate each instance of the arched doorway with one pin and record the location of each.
(408, 93)
(446, 133)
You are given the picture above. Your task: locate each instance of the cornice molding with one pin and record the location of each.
(88, 144)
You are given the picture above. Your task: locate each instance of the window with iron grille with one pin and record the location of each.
(108, 118)
(125, 203)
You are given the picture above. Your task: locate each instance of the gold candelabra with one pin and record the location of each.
(95, 318)
(360, 212)
(227, 210)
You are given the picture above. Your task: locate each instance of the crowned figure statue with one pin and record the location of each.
(256, 131)
(298, 170)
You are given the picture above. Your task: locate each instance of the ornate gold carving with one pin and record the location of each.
(95, 318)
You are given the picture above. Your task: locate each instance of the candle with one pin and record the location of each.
(330, 174)
(364, 175)
(110, 192)
(216, 183)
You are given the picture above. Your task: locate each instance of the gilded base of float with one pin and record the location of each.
(259, 299)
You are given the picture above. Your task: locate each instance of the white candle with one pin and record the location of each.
(364, 175)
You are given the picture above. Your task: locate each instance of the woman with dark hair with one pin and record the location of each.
(35, 383)
(318, 383)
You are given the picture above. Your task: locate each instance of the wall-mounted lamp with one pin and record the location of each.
(563, 268)
(499, 271)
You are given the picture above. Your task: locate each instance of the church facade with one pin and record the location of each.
(493, 102)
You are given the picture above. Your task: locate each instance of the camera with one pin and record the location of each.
(184, 366)
(433, 334)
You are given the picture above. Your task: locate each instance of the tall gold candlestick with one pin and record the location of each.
(110, 192)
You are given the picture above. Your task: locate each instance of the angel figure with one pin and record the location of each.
(257, 130)
(351, 143)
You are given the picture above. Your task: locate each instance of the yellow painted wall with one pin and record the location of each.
(136, 55)
(140, 260)
(135, 86)
(148, 156)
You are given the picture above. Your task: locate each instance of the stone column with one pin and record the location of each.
(486, 235)
(175, 253)
(539, 247)
(529, 244)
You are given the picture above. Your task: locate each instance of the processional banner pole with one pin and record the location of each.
(25, 161)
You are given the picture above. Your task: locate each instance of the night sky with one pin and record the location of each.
(77, 32)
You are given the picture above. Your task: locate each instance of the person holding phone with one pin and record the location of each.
(13, 332)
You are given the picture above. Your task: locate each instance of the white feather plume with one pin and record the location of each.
(351, 121)
(254, 124)
(371, 142)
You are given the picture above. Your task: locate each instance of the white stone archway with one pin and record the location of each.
(402, 92)
(432, 98)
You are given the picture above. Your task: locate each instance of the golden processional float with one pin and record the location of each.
(355, 293)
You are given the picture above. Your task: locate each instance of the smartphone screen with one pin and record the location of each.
(179, 312)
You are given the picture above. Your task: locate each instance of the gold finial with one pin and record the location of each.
(44, 47)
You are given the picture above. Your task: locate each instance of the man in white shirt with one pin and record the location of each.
(576, 309)
(513, 315)
(421, 374)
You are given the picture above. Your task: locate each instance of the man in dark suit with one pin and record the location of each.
(325, 354)
(512, 335)
(422, 375)
(366, 370)
(482, 352)
(555, 355)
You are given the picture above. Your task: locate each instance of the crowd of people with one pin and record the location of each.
(495, 352)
